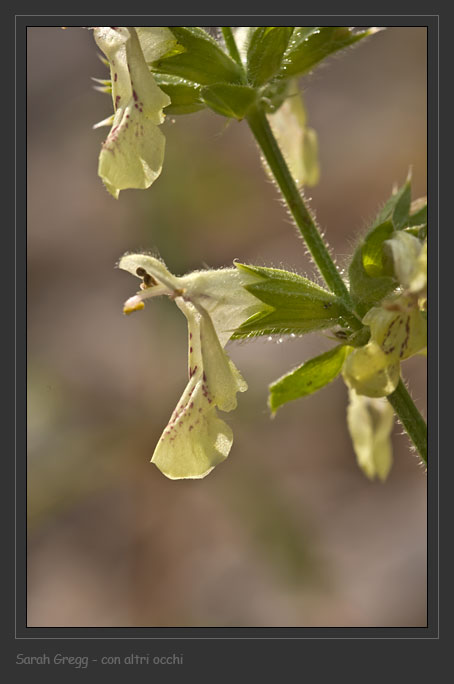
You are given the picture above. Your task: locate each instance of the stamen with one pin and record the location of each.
(133, 304)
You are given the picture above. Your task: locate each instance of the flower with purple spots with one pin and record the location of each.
(215, 303)
(133, 153)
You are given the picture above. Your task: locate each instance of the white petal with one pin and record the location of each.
(113, 43)
(298, 142)
(370, 422)
(410, 260)
(195, 440)
(222, 376)
(154, 267)
(222, 380)
(133, 153)
(222, 295)
(370, 372)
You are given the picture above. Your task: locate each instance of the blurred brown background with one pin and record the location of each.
(286, 532)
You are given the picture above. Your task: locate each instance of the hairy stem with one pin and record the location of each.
(270, 149)
(410, 418)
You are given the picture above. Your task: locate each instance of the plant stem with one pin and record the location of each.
(400, 399)
(231, 44)
(267, 142)
(410, 418)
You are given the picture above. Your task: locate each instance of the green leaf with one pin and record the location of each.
(184, 95)
(308, 378)
(203, 60)
(265, 51)
(229, 100)
(295, 304)
(372, 250)
(310, 45)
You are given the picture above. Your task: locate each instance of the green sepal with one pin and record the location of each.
(417, 221)
(308, 378)
(374, 262)
(370, 273)
(397, 208)
(203, 60)
(418, 212)
(265, 51)
(300, 34)
(293, 304)
(310, 45)
(273, 94)
(359, 338)
(366, 290)
(419, 232)
(185, 95)
(229, 100)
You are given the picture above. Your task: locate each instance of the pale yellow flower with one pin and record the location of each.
(215, 303)
(133, 153)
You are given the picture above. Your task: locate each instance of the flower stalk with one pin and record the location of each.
(269, 147)
(410, 418)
